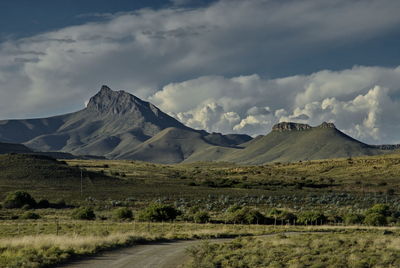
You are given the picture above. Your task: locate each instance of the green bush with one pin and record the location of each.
(19, 199)
(158, 212)
(201, 217)
(375, 219)
(60, 203)
(282, 216)
(233, 208)
(350, 219)
(83, 213)
(381, 209)
(123, 214)
(247, 216)
(29, 215)
(43, 203)
(311, 217)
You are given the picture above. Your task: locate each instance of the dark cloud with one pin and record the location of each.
(215, 49)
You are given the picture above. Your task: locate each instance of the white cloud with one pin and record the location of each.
(196, 56)
(362, 101)
(144, 50)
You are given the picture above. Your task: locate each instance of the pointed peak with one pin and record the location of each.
(108, 101)
(105, 88)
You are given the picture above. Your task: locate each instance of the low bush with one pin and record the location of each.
(158, 212)
(247, 215)
(43, 203)
(19, 199)
(201, 217)
(29, 215)
(381, 209)
(311, 217)
(375, 219)
(83, 213)
(123, 214)
(350, 219)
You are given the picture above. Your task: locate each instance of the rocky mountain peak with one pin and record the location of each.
(115, 102)
(290, 126)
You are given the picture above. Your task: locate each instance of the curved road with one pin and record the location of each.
(155, 255)
(163, 254)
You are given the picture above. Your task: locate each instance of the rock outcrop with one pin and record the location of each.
(290, 126)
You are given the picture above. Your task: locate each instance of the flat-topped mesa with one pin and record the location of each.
(290, 126)
(327, 125)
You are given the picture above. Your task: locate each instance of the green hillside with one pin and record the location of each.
(7, 148)
(36, 172)
(288, 144)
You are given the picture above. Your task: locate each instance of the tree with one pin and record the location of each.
(158, 212)
(311, 217)
(350, 219)
(19, 199)
(246, 216)
(375, 219)
(380, 209)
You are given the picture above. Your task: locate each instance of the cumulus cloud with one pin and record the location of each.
(198, 58)
(362, 101)
(146, 49)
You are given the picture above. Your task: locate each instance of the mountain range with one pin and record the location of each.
(118, 125)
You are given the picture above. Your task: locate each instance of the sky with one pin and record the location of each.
(229, 66)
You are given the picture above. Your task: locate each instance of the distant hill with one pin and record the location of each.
(118, 125)
(42, 175)
(8, 148)
(112, 125)
(288, 142)
(30, 168)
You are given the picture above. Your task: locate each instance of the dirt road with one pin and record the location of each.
(155, 255)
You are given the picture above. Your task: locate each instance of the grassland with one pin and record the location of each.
(334, 187)
(350, 248)
(47, 242)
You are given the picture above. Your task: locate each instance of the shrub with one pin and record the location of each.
(375, 219)
(350, 219)
(123, 214)
(381, 209)
(29, 215)
(83, 213)
(60, 203)
(233, 208)
(201, 217)
(158, 212)
(19, 199)
(246, 216)
(43, 203)
(311, 217)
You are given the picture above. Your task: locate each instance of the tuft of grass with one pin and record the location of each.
(301, 250)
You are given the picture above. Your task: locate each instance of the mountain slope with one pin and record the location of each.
(113, 124)
(172, 145)
(8, 148)
(293, 142)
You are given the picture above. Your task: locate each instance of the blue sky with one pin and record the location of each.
(224, 65)
(26, 17)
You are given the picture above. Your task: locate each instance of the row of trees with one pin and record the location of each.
(21, 199)
(377, 215)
